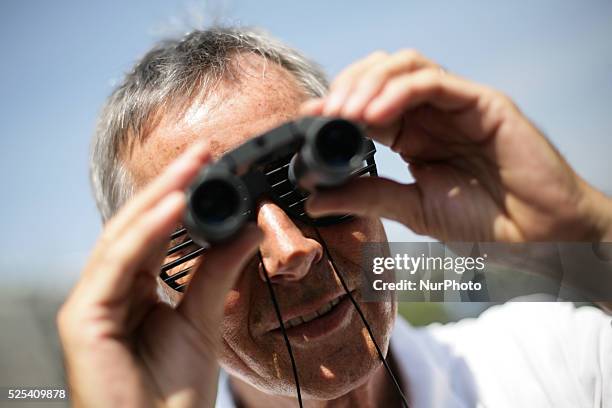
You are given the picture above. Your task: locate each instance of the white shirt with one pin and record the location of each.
(515, 355)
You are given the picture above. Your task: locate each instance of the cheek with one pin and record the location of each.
(234, 312)
(381, 318)
(233, 303)
(236, 309)
(357, 231)
(240, 307)
(347, 239)
(234, 330)
(346, 242)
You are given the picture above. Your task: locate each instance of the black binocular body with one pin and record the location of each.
(285, 163)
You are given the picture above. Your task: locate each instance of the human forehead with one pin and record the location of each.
(256, 97)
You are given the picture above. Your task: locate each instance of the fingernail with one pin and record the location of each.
(200, 149)
(193, 157)
(310, 106)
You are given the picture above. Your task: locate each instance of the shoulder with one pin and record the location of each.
(534, 336)
(553, 352)
(552, 324)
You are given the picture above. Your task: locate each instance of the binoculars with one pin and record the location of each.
(286, 163)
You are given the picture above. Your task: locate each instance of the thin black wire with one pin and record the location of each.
(282, 327)
(365, 322)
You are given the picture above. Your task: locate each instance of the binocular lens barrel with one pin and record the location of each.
(333, 149)
(217, 207)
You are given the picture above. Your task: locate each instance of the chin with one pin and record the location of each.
(317, 382)
(354, 360)
(344, 381)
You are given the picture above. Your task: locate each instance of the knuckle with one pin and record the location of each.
(408, 55)
(377, 74)
(62, 319)
(499, 102)
(107, 236)
(378, 54)
(351, 73)
(83, 328)
(505, 100)
(341, 81)
(111, 226)
(66, 322)
(432, 80)
(112, 260)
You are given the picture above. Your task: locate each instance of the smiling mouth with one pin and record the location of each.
(322, 311)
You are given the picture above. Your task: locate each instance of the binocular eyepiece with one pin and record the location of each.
(326, 151)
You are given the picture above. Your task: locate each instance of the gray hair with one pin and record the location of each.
(176, 70)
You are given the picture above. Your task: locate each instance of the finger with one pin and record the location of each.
(373, 80)
(176, 176)
(426, 134)
(204, 300)
(443, 91)
(342, 85)
(312, 107)
(139, 250)
(372, 197)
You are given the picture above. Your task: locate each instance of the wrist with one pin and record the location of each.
(600, 214)
(607, 229)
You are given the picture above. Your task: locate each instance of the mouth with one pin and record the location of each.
(318, 322)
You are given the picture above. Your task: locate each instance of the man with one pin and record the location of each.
(483, 173)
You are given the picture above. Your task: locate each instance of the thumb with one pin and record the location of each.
(372, 197)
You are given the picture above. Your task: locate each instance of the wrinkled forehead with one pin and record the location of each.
(257, 96)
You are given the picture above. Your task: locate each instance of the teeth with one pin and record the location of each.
(304, 319)
(309, 317)
(294, 322)
(325, 309)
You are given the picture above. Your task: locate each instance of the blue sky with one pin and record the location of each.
(60, 60)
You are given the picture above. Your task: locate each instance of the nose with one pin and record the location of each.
(287, 253)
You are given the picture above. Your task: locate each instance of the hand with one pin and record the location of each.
(122, 346)
(482, 171)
